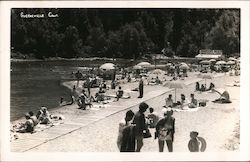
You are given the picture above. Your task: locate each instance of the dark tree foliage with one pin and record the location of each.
(124, 33)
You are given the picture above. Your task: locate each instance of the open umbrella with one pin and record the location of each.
(184, 66)
(107, 66)
(212, 60)
(205, 62)
(205, 77)
(232, 59)
(137, 67)
(175, 85)
(144, 64)
(157, 71)
(230, 63)
(220, 63)
(169, 64)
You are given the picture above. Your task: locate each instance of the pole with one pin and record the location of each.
(175, 95)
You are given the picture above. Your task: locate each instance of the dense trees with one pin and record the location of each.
(126, 33)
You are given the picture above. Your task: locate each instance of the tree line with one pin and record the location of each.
(124, 33)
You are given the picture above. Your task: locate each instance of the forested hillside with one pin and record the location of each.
(124, 33)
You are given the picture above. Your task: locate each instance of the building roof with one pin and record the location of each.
(206, 56)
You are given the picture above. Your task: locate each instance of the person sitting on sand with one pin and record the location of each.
(119, 93)
(169, 101)
(33, 118)
(203, 88)
(194, 102)
(44, 117)
(157, 80)
(152, 117)
(224, 98)
(101, 90)
(28, 126)
(211, 86)
(82, 100)
(184, 102)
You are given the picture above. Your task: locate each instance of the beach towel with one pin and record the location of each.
(186, 109)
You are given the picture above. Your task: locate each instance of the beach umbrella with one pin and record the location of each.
(232, 59)
(220, 62)
(205, 62)
(230, 63)
(219, 90)
(175, 85)
(137, 67)
(144, 64)
(205, 77)
(107, 66)
(212, 60)
(157, 71)
(184, 66)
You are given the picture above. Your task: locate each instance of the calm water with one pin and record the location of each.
(36, 84)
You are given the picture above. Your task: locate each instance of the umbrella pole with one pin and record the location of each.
(175, 95)
(205, 83)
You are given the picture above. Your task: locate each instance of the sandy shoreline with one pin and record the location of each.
(216, 123)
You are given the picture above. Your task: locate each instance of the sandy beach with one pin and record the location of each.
(95, 129)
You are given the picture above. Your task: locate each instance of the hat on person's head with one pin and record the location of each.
(143, 106)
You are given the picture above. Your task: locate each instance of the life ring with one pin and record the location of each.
(203, 144)
(197, 144)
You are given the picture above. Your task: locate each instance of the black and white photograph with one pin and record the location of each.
(126, 79)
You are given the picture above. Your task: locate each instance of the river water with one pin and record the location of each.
(37, 83)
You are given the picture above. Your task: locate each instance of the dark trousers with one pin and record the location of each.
(169, 145)
(140, 92)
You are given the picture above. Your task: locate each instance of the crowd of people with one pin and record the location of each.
(137, 126)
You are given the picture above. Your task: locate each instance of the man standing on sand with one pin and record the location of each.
(140, 125)
(140, 88)
(78, 76)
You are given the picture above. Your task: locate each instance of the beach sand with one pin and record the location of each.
(98, 127)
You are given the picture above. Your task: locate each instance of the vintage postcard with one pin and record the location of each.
(113, 80)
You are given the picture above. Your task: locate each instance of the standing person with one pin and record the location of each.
(140, 125)
(119, 93)
(165, 130)
(140, 88)
(78, 76)
(88, 85)
(125, 140)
